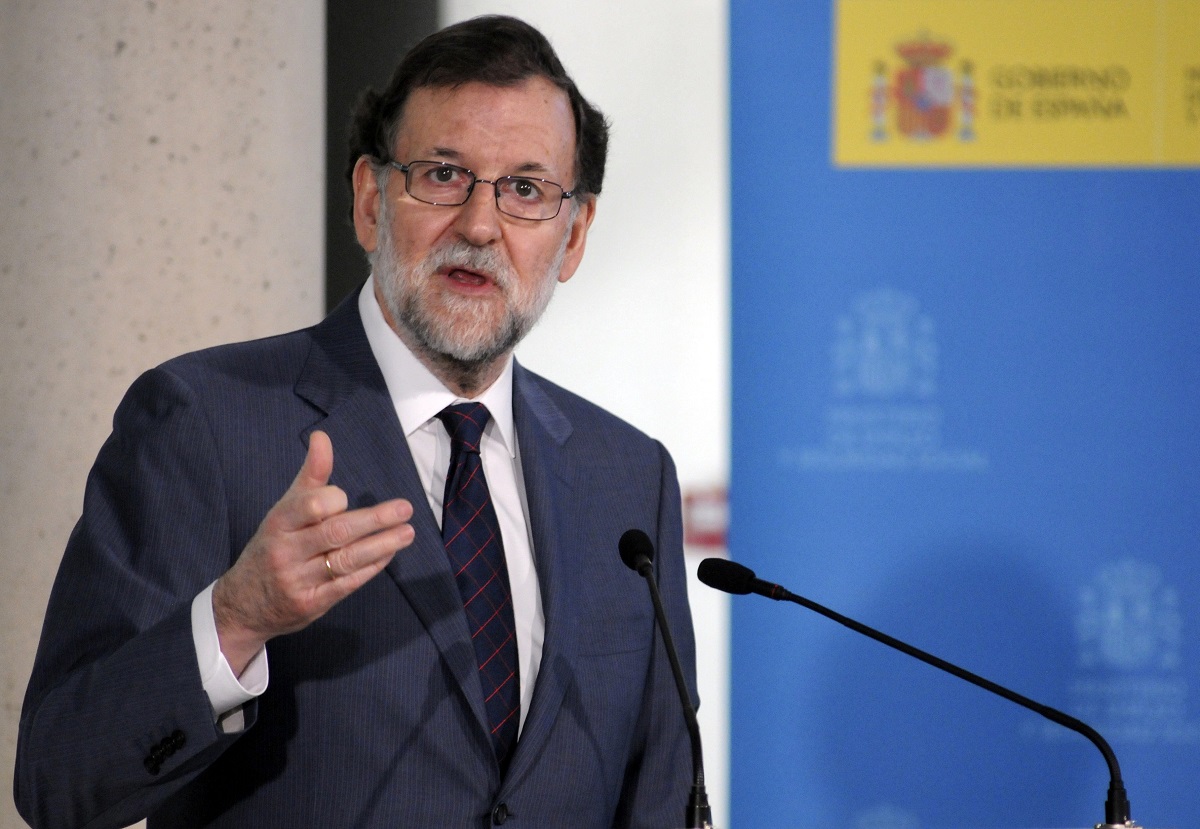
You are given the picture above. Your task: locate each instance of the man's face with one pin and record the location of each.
(467, 282)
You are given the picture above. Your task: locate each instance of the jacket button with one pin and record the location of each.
(500, 814)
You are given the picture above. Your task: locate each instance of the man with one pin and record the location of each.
(231, 642)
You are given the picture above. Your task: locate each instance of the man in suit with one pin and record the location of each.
(231, 642)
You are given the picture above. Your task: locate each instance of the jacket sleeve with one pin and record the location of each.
(659, 776)
(115, 718)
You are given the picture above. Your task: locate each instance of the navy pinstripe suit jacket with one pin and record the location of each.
(374, 715)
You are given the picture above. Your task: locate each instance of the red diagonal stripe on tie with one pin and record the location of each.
(507, 717)
(468, 523)
(507, 679)
(488, 620)
(482, 587)
(480, 551)
(499, 648)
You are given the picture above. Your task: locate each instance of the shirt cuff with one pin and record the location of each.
(226, 692)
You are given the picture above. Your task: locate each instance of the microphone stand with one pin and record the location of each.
(735, 578)
(636, 550)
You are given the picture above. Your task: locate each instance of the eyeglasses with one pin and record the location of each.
(434, 182)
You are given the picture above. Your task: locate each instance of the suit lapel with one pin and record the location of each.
(542, 431)
(342, 379)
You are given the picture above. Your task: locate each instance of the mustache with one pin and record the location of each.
(468, 257)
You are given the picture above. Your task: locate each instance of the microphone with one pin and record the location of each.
(732, 577)
(637, 550)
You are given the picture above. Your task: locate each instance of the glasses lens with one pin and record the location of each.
(529, 198)
(438, 183)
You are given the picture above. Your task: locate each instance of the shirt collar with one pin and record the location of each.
(416, 393)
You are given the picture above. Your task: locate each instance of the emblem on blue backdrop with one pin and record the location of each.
(923, 93)
(1129, 681)
(1129, 620)
(885, 349)
(883, 411)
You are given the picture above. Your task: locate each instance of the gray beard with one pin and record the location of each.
(462, 352)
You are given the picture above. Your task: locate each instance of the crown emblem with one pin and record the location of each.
(924, 93)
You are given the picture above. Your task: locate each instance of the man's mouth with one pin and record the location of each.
(468, 277)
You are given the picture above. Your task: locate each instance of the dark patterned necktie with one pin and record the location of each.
(472, 537)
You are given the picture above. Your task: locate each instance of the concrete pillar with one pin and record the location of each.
(161, 172)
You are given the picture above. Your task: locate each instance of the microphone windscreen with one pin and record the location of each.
(722, 574)
(635, 547)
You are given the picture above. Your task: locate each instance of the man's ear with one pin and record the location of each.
(366, 204)
(578, 238)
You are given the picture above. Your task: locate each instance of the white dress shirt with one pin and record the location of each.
(418, 397)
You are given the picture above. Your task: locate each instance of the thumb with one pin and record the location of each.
(318, 463)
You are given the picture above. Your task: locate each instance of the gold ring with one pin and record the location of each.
(329, 568)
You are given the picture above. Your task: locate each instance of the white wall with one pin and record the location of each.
(161, 166)
(643, 327)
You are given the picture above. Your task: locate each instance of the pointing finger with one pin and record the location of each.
(318, 463)
(310, 498)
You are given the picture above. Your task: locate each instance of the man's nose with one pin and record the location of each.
(479, 217)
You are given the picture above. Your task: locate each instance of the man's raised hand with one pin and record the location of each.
(308, 554)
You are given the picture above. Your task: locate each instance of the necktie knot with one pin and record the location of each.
(465, 423)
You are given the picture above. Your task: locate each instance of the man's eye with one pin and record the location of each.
(525, 189)
(443, 175)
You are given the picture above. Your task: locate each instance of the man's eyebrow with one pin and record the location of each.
(447, 153)
(452, 155)
(532, 167)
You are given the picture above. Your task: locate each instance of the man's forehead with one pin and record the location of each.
(444, 117)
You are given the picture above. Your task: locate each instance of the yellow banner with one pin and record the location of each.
(1017, 83)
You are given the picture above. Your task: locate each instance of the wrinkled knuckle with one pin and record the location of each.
(336, 532)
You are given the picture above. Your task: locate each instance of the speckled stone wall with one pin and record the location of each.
(161, 189)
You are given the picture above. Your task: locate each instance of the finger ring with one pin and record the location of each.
(329, 568)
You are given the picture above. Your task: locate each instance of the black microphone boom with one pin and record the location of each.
(637, 550)
(732, 577)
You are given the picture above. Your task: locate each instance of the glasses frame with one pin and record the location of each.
(406, 169)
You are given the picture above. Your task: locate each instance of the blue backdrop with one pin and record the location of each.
(965, 411)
